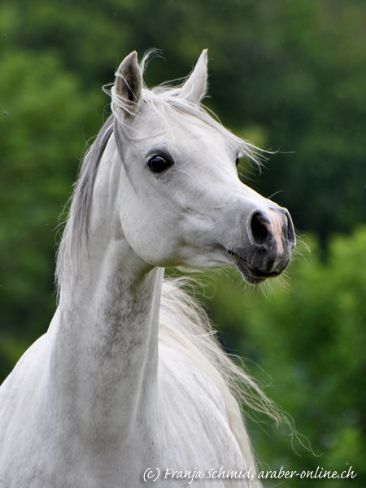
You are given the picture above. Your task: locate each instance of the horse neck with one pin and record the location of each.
(105, 353)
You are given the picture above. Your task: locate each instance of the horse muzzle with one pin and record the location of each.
(269, 244)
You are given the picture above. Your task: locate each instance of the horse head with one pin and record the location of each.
(181, 200)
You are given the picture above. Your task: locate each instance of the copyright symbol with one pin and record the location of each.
(151, 474)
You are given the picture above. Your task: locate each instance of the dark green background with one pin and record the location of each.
(290, 75)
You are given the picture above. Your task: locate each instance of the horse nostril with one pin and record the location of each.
(259, 226)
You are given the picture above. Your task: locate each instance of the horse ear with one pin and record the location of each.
(128, 82)
(195, 87)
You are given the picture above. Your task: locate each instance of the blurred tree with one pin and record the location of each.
(44, 117)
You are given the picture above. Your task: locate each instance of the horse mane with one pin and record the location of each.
(184, 325)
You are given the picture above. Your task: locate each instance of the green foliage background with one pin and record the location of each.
(289, 75)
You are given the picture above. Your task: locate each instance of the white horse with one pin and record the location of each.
(128, 376)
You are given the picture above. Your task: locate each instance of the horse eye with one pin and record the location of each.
(158, 163)
(237, 161)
